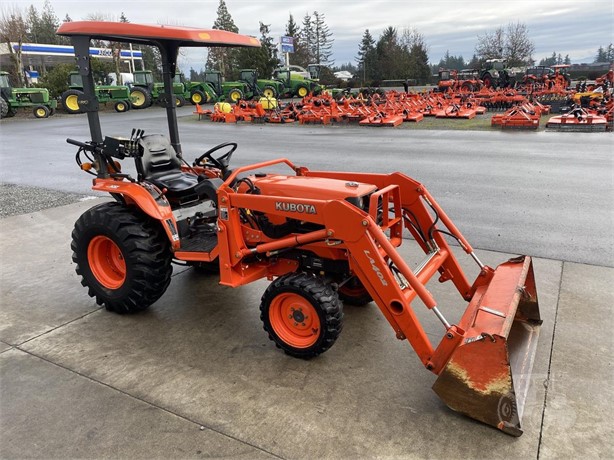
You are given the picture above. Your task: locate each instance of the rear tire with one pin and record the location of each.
(70, 100)
(301, 314)
(140, 98)
(4, 108)
(124, 259)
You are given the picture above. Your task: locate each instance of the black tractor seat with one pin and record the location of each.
(160, 165)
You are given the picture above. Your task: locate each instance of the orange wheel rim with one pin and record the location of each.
(106, 262)
(294, 320)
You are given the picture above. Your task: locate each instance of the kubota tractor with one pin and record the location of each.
(320, 237)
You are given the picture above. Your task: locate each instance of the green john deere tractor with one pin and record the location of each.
(15, 98)
(496, 74)
(145, 91)
(218, 90)
(296, 85)
(118, 95)
(259, 87)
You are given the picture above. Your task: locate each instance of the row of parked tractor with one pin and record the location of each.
(144, 91)
(588, 108)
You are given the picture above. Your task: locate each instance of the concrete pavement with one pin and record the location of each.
(196, 376)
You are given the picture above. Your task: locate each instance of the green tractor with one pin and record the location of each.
(14, 98)
(118, 95)
(217, 90)
(194, 91)
(496, 74)
(145, 91)
(296, 85)
(270, 89)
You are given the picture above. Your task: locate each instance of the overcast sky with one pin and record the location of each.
(574, 27)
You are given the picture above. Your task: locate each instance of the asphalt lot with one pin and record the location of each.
(195, 376)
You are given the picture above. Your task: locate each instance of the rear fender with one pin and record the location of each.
(148, 198)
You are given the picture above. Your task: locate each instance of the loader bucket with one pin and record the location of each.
(487, 376)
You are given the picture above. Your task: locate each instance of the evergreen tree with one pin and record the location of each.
(152, 61)
(223, 59)
(33, 19)
(42, 27)
(567, 60)
(49, 24)
(301, 52)
(366, 57)
(263, 59)
(605, 54)
(475, 62)
(292, 28)
(323, 41)
(449, 62)
(307, 39)
(552, 60)
(419, 69)
(392, 59)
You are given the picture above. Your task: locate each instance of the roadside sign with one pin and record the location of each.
(287, 44)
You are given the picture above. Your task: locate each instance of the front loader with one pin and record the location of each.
(322, 238)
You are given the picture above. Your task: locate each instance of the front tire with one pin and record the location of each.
(302, 91)
(269, 92)
(301, 314)
(198, 97)
(41, 111)
(179, 101)
(124, 259)
(235, 95)
(122, 106)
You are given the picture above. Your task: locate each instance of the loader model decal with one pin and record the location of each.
(295, 207)
(375, 268)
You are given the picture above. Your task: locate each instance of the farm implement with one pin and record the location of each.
(320, 237)
(523, 116)
(578, 119)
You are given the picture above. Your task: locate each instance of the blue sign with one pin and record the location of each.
(287, 44)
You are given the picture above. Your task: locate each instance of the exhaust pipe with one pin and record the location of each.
(488, 375)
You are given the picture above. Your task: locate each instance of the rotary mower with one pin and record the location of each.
(320, 237)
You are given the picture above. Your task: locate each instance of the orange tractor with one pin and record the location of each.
(320, 238)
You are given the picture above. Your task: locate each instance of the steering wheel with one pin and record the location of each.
(222, 162)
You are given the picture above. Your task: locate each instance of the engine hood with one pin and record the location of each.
(317, 188)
